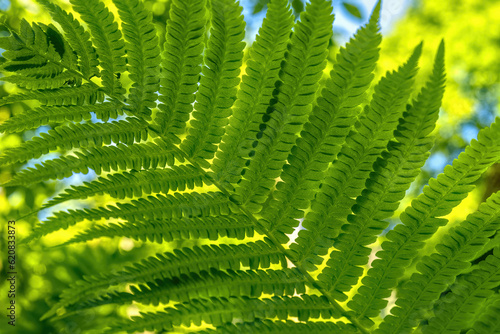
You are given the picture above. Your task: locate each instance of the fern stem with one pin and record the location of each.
(271, 237)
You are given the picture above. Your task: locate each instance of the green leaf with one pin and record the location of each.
(186, 228)
(77, 37)
(254, 93)
(143, 56)
(488, 322)
(456, 309)
(276, 327)
(107, 38)
(135, 156)
(79, 135)
(157, 207)
(440, 269)
(218, 311)
(360, 149)
(393, 173)
(219, 79)
(135, 184)
(206, 284)
(291, 106)
(84, 94)
(352, 9)
(181, 66)
(31, 119)
(260, 254)
(322, 136)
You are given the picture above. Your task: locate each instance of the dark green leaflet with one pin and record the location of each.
(216, 152)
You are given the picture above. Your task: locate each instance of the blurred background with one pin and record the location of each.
(471, 29)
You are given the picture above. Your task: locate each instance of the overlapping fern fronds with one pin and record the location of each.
(234, 162)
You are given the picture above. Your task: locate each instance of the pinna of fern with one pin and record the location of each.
(275, 145)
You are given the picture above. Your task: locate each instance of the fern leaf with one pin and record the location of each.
(136, 183)
(107, 39)
(299, 76)
(69, 59)
(349, 172)
(266, 326)
(84, 94)
(260, 254)
(457, 308)
(440, 269)
(404, 242)
(255, 92)
(226, 159)
(489, 322)
(152, 208)
(57, 81)
(393, 173)
(322, 135)
(206, 284)
(212, 228)
(135, 156)
(413, 146)
(218, 311)
(181, 61)
(220, 77)
(78, 135)
(143, 55)
(31, 119)
(77, 37)
(421, 219)
(37, 67)
(36, 45)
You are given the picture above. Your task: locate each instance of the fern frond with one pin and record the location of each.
(181, 65)
(37, 68)
(136, 183)
(393, 172)
(437, 271)
(219, 79)
(135, 156)
(255, 255)
(150, 208)
(206, 284)
(218, 311)
(69, 59)
(266, 326)
(206, 156)
(255, 92)
(77, 37)
(322, 135)
(212, 228)
(456, 309)
(78, 135)
(36, 46)
(31, 119)
(303, 67)
(143, 56)
(349, 172)
(84, 94)
(107, 39)
(489, 321)
(421, 219)
(57, 81)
